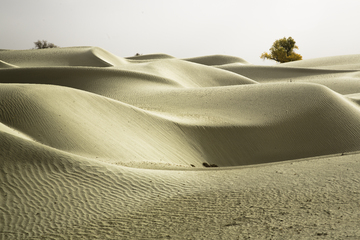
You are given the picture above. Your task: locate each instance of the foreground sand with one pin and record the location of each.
(98, 146)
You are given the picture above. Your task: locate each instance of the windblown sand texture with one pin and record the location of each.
(97, 146)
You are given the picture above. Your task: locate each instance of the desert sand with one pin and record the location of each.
(96, 146)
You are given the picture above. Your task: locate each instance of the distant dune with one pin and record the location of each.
(98, 146)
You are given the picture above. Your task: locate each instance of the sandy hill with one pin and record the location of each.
(98, 146)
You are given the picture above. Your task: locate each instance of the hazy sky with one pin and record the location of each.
(183, 28)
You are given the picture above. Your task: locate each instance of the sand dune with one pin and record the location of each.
(347, 62)
(96, 145)
(215, 60)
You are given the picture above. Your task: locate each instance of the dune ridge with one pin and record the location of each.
(346, 62)
(96, 145)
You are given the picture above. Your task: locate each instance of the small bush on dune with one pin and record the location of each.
(282, 51)
(44, 44)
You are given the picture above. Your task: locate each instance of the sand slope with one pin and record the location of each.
(95, 145)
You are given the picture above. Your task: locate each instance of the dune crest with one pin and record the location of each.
(91, 141)
(216, 60)
(345, 62)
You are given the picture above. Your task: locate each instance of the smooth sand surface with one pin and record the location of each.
(96, 146)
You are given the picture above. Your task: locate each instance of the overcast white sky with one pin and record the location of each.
(184, 28)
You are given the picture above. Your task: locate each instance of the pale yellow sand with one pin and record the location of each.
(98, 146)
